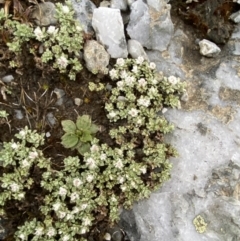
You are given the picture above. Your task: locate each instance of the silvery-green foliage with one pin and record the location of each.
(18, 157)
(61, 43)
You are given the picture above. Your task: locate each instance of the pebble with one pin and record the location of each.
(78, 101)
(7, 78)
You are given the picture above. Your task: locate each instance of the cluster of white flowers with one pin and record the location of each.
(62, 191)
(173, 80)
(14, 187)
(133, 112)
(91, 163)
(39, 34)
(62, 62)
(144, 101)
(77, 182)
(52, 30)
(33, 154)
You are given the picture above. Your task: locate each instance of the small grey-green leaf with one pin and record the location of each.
(69, 140)
(68, 126)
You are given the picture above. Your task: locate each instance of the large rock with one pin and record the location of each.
(108, 26)
(84, 11)
(205, 178)
(151, 24)
(136, 50)
(96, 57)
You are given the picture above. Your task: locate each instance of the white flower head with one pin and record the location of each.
(123, 188)
(14, 187)
(33, 154)
(143, 170)
(144, 101)
(69, 216)
(135, 69)
(83, 230)
(152, 65)
(91, 163)
(120, 62)
(65, 9)
(94, 148)
(39, 34)
(56, 206)
(103, 157)
(75, 210)
(66, 238)
(124, 74)
(52, 30)
(74, 196)
(113, 74)
(120, 84)
(173, 80)
(25, 163)
(89, 178)
(84, 206)
(22, 133)
(112, 114)
(14, 146)
(62, 62)
(121, 179)
(133, 112)
(61, 214)
(39, 231)
(51, 232)
(21, 195)
(77, 182)
(142, 82)
(62, 191)
(22, 236)
(119, 164)
(140, 60)
(129, 80)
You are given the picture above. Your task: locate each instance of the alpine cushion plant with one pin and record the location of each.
(78, 136)
(60, 45)
(85, 190)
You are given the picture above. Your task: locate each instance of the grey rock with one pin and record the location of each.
(152, 19)
(18, 114)
(130, 2)
(7, 78)
(51, 119)
(44, 14)
(60, 96)
(136, 50)
(208, 48)
(119, 4)
(84, 11)
(108, 25)
(235, 17)
(78, 101)
(96, 57)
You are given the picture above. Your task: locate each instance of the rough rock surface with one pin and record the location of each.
(208, 48)
(108, 26)
(206, 175)
(153, 19)
(96, 57)
(84, 11)
(44, 14)
(119, 4)
(135, 49)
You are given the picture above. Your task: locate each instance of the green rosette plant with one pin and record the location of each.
(78, 136)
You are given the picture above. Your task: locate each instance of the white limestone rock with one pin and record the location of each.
(208, 48)
(96, 57)
(235, 17)
(119, 4)
(108, 25)
(84, 11)
(136, 50)
(153, 19)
